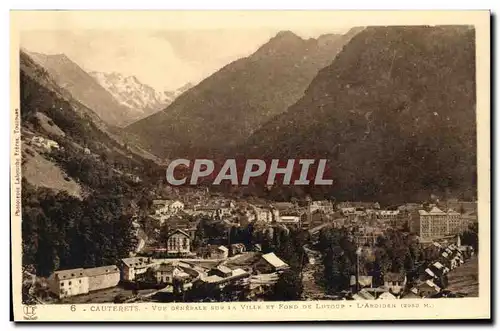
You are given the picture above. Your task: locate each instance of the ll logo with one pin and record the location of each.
(29, 312)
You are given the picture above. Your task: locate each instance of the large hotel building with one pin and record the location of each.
(435, 223)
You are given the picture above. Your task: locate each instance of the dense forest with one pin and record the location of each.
(62, 232)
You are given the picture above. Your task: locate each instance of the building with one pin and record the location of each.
(270, 263)
(363, 281)
(435, 223)
(103, 277)
(167, 206)
(363, 295)
(394, 218)
(452, 257)
(164, 273)
(324, 206)
(220, 282)
(455, 222)
(167, 273)
(436, 271)
(289, 219)
(263, 215)
(367, 236)
(386, 296)
(178, 242)
(219, 252)
(132, 266)
(215, 209)
(348, 211)
(394, 282)
(175, 205)
(221, 271)
(388, 215)
(237, 248)
(67, 283)
(358, 204)
(439, 268)
(428, 289)
(283, 206)
(410, 207)
(71, 282)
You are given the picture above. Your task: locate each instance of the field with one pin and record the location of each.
(41, 172)
(464, 279)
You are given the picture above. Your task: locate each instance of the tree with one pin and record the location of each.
(164, 232)
(62, 232)
(288, 287)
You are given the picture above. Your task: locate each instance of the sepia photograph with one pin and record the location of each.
(235, 168)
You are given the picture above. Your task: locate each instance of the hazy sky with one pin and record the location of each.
(167, 49)
(164, 59)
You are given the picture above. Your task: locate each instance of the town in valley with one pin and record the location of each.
(386, 115)
(211, 249)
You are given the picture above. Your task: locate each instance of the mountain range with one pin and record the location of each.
(393, 109)
(117, 99)
(226, 108)
(49, 111)
(133, 94)
(394, 113)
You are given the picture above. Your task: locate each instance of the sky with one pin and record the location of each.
(163, 59)
(167, 49)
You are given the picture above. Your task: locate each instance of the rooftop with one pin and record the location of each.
(363, 295)
(178, 231)
(101, 270)
(362, 280)
(212, 279)
(275, 261)
(224, 269)
(135, 261)
(436, 211)
(69, 273)
(394, 277)
(164, 267)
(387, 296)
(283, 205)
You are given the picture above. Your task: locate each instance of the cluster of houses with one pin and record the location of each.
(227, 211)
(428, 224)
(429, 284)
(393, 287)
(432, 282)
(411, 214)
(178, 243)
(367, 220)
(165, 273)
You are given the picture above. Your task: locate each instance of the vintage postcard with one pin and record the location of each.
(250, 165)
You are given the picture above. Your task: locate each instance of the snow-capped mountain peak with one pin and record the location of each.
(130, 92)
